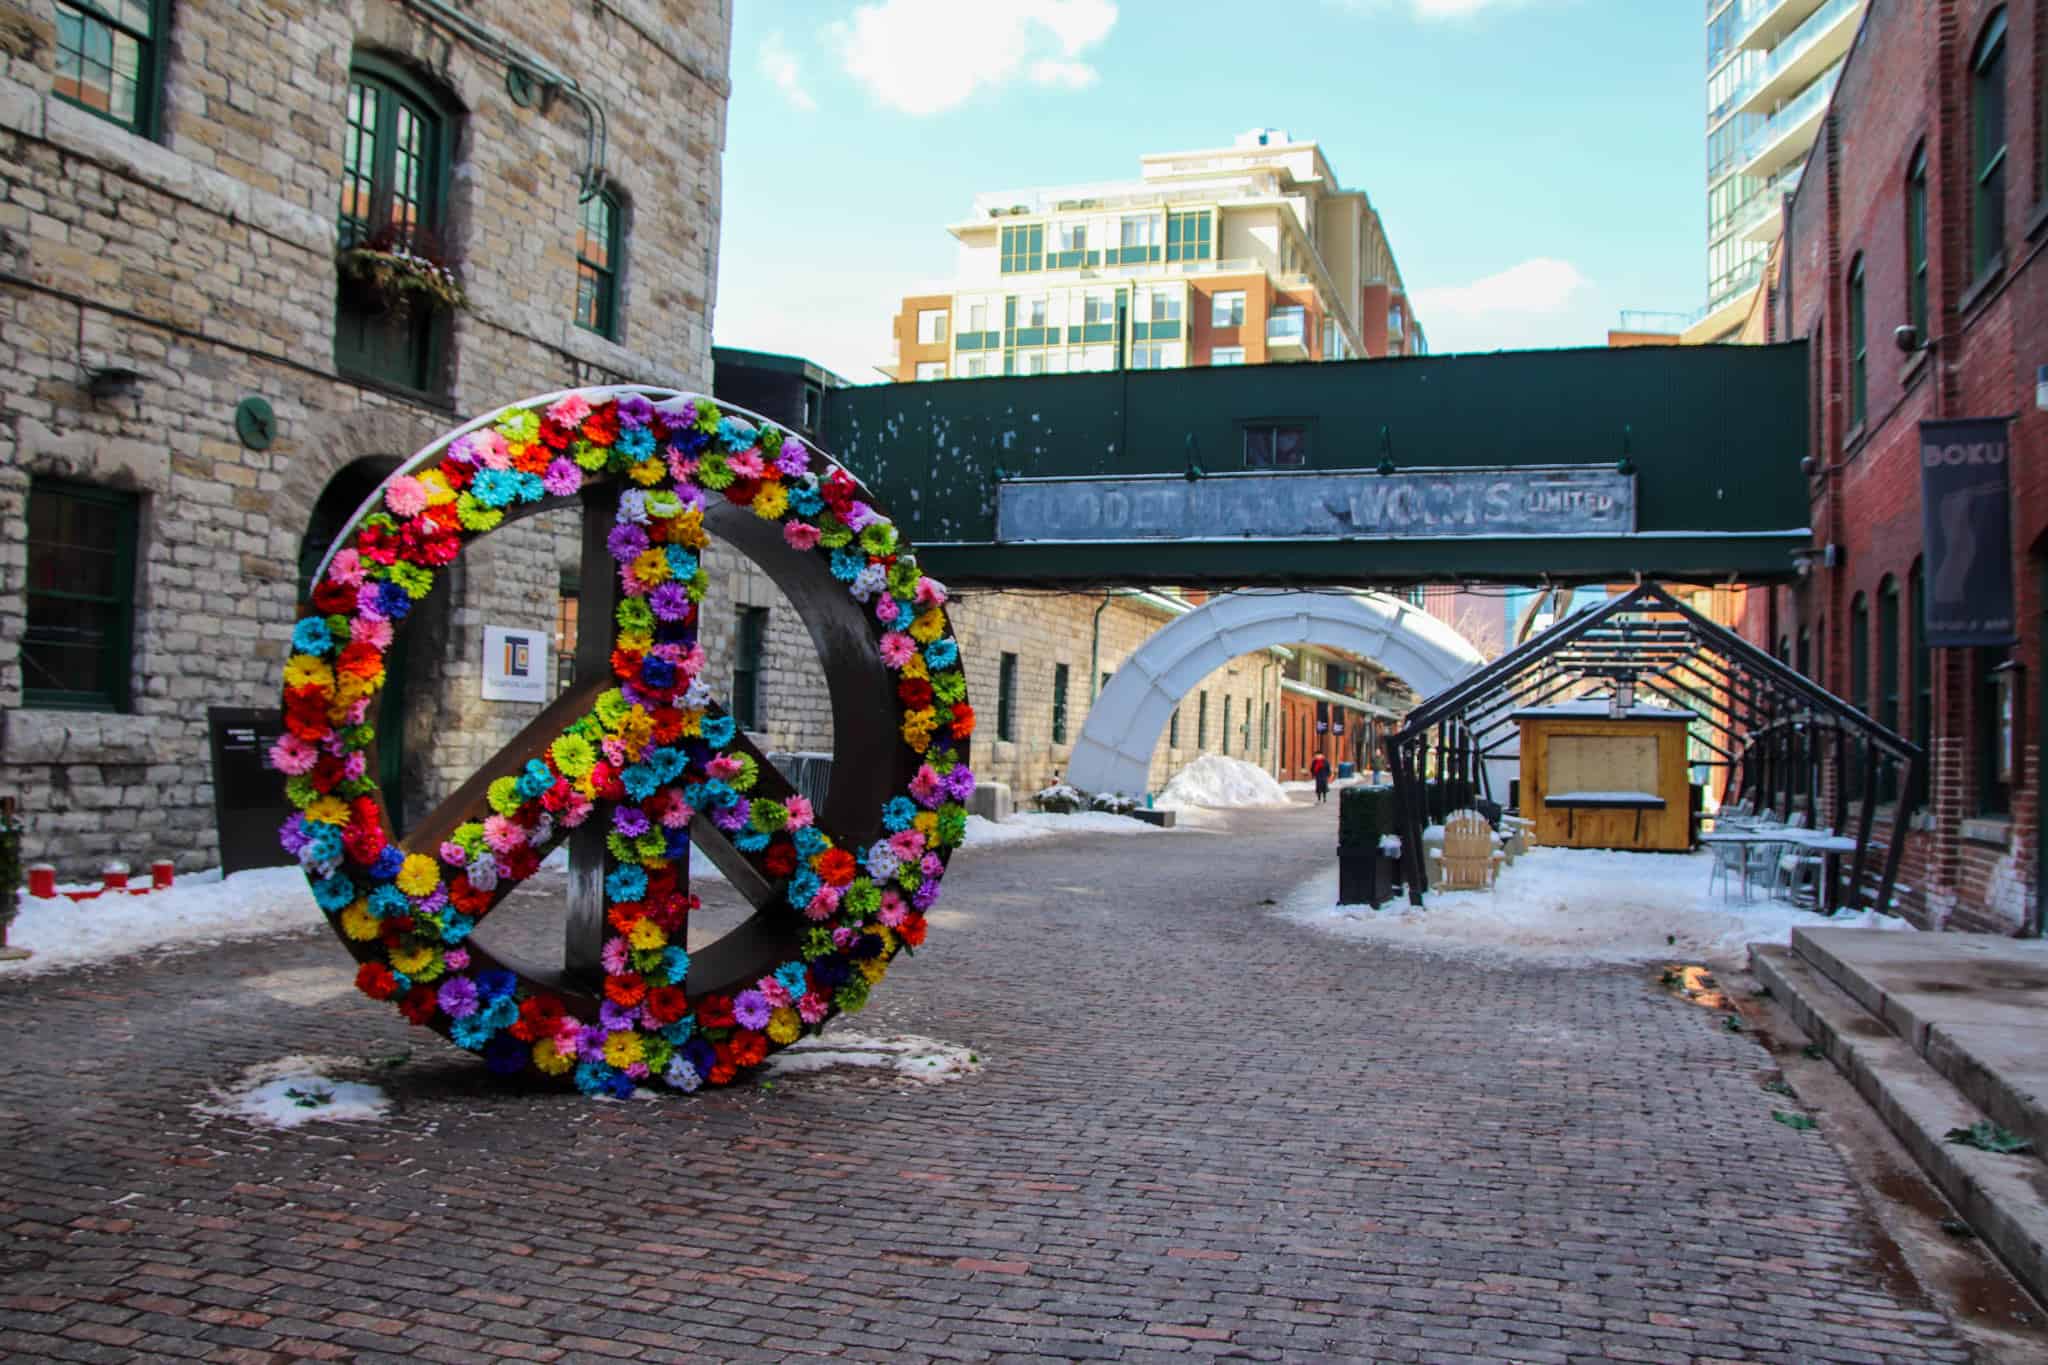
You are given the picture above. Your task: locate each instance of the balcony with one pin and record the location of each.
(1788, 134)
(1287, 334)
(1770, 20)
(1806, 52)
(1760, 219)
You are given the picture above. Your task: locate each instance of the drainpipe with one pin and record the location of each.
(1095, 647)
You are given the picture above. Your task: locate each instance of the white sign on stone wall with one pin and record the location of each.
(515, 664)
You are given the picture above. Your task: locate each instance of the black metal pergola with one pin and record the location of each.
(1787, 742)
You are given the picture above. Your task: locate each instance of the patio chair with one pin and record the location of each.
(1728, 858)
(1467, 859)
(1760, 864)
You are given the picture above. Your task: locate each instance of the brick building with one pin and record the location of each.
(195, 398)
(1923, 205)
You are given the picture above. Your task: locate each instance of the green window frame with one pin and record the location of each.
(1022, 248)
(598, 234)
(1173, 729)
(1888, 677)
(1202, 722)
(76, 652)
(1859, 349)
(1188, 236)
(1916, 241)
(397, 150)
(1226, 724)
(749, 666)
(1988, 147)
(1994, 794)
(1923, 674)
(1059, 703)
(1859, 677)
(1006, 699)
(109, 60)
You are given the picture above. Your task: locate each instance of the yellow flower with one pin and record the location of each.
(648, 472)
(549, 1058)
(928, 626)
(689, 529)
(359, 924)
(927, 824)
(647, 934)
(917, 728)
(623, 1049)
(412, 961)
(872, 968)
(303, 670)
(651, 566)
(784, 1026)
(439, 494)
(889, 940)
(328, 810)
(418, 875)
(693, 724)
(771, 502)
(634, 641)
(635, 732)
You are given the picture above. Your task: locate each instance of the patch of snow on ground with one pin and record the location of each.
(298, 1090)
(1214, 780)
(1029, 825)
(1572, 907)
(202, 908)
(908, 1054)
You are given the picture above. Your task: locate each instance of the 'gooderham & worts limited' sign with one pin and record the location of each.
(1966, 520)
(1421, 504)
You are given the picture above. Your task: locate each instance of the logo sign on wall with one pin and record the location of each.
(1967, 524)
(515, 665)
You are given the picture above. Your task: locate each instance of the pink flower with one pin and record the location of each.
(562, 478)
(893, 911)
(492, 451)
(355, 765)
(614, 751)
(569, 410)
(293, 756)
(930, 593)
(504, 834)
(614, 955)
(723, 767)
(405, 496)
(828, 897)
(812, 1008)
(681, 467)
(908, 844)
(456, 958)
(819, 910)
(924, 788)
(843, 936)
(886, 609)
(453, 854)
(800, 812)
(897, 649)
(675, 812)
(375, 633)
(576, 811)
(774, 991)
(347, 568)
(800, 535)
(747, 464)
(357, 711)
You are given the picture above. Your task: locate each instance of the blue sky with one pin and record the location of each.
(1539, 164)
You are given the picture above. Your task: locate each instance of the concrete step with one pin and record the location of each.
(1975, 1006)
(2004, 1199)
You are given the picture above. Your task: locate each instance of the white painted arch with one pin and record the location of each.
(1113, 752)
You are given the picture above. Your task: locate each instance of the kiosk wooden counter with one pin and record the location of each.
(1595, 779)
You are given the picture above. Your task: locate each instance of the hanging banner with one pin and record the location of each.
(1967, 525)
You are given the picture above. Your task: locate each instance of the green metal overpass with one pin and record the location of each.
(1559, 466)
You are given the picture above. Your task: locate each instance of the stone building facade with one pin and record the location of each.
(176, 188)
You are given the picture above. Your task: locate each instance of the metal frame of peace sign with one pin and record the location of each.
(637, 760)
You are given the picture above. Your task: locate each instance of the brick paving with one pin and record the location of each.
(1199, 1131)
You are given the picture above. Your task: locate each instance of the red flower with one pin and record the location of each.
(666, 1004)
(522, 862)
(780, 859)
(602, 426)
(418, 1005)
(539, 1017)
(467, 898)
(326, 772)
(457, 473)
(360, 660)
(963, 720)
(915, 693)
(374, 979)
(742, 491)
(626, 990)
(334, 599)
(554, 436)
(911, 931)
(363, 842)
(837, 867)
(625, 915)
(749, 1049)
(715, 1011)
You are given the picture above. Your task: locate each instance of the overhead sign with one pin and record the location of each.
(1552, 500)
(1966, 522)
(515, 664)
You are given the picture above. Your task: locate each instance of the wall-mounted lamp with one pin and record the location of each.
(1386, 465)
(113, 381)
(1626, 464)
(1827, 556)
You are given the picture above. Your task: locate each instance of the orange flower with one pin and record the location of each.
(963, 720)
(625, 991)
(625, 915)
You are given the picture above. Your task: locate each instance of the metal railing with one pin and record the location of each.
(1790, 116)
(1287, 325)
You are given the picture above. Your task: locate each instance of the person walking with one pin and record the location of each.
(1319, 769)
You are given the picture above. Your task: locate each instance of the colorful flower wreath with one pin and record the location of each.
(654, 749)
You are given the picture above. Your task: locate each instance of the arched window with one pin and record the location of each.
(1916, 243)
(599, 230)
(396, 155)
(1987, 149)
(1859, 349)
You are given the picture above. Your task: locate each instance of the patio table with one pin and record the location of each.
(1830, 847)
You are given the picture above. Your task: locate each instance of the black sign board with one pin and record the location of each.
(248, 794)
(1967, 524)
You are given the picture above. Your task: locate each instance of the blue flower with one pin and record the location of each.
(656, 671)
(680, 1031)
(941, 653)
(626, 884)
(807, 501)
(456, 928)
(502, 1012)
(592, 1078)
(750, 841)
(717, 795)
(395, 602)
(505, 1055)
(534, 779)
(682, 565)
(496, 983)
(530, 487)
(311, 636)
(809, 841)
(668, 764)
(334, 893)
(847, 564)
(793, 977)
(387, 863)
(401, 983)
(698, 1054)
(635, 443)
(675, 965)
(388, 901)
(802, 887)
(899, 813)
(719, 731)
(323, 845)
(735, 434)
(471, 1032)
(639, 781)
(495, 487)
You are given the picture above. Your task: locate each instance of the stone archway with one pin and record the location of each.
(1113, 752)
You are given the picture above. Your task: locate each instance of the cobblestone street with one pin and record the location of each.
(1198, 1129)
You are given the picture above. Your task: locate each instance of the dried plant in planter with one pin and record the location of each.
(395, 271)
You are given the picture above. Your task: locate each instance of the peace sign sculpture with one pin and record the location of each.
(637, 758)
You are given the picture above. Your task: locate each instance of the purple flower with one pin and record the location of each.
(562, 478)
(732, 819)
(635, 410)
(626, 542)
(925, 896)
(458, 997)
(959, 783)
(793, 459)
(613, 1018)
(670, 601)
(591, 1046)
(750, 1007)
(860, 515)
(436, 903)
(292, 835)
(630, 821)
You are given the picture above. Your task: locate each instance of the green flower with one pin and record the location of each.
(903, 576)
(747, 776)
(469, 835)
(651, 845)
(832, 532)
(769, 816)
(771, 441)
(620, 847)
(662, 504)
(520, 428)
(950, 686)
(416, 581)
(359, 737)
(300, 790)
(504, 795)
(879, 538)
(338, 627)
(708, 417)
(612, 708)
(713, 471)
(952, 824)
(573, 755)
(862, 898)
(590, 457)
(817, 943)
(635, 614)
(853, 995)
(474, 516)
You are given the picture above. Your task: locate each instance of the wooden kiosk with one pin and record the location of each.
(1592, 778)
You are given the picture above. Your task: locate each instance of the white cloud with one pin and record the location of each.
(1433, 9)
(779, 65)
(923, 57)
(1540, 302)
(1542, 285)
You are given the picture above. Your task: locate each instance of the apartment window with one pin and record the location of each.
(1859, 349)
(1059, 703)
(1163, 305)
(1006, 699)
(1031, 311)
(1098, 307)
(1022, 249)
(973, 366)
(1202, 722)
(749, 658)
(1275, 445)
(1173, 730)
(814, 408)
(1395, 321)
(75, 651)
(1227, 355)
(977, 317)
(1994, 727)
(1148, 355)
(597, 265)
(931, 369)
(1139, 234)
(1888, 675)
(1265, 727)
(1226, 724)
(1073, 236)
(931, 326)
(396, 151)
(1923, 674)
(109, 59)
(1031, 362)
(1916, 241)
(1226, 309)
(1987, 140)
(1187, 236)
(568, 602)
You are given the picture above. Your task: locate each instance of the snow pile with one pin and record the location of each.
(907, 1054)
(1573, 907)
(1029, 825)
(202, 908)
(1214, 780)
(298, 1090)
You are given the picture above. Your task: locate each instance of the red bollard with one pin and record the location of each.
(161, 873)
(114, 877)
(42, 881)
